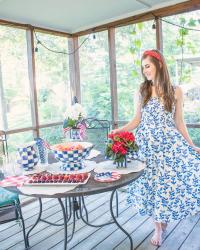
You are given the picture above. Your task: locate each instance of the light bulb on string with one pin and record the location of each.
(154, 24)
(36, 48)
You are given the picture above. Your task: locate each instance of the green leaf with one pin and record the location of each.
(137, 43)
(133, 32)
(134, 73)
(192, 22)
(179, 42)
(182, 20)
(183, 31)
(137, 62)
(140, 26)
(71, 123)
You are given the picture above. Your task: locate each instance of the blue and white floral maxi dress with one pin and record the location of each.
(169, 189)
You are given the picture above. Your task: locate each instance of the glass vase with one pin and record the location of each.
(122, 164)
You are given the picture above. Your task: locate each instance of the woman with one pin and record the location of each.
(169, 189)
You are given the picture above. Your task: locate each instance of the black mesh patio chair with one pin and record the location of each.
(96, 132)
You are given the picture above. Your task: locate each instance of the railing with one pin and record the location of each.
(3, 134)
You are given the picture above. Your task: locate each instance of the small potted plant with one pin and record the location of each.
(119, 145)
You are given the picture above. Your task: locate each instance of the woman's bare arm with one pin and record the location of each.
(179, 120)
(134, 123)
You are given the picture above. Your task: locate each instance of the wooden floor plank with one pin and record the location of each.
(53, 214)
(26, 211)
(138, 234)
(92, 237)
(177, 237)
(12, 239)
(30, 217)
(146, 241)
(100, 211)
(192, 242)
(180, 235)
(129, 220)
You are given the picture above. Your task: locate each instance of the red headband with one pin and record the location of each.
(153, 54)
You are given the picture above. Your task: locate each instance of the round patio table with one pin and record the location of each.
(74, 202)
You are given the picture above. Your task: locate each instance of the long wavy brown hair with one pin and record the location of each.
(164, 88)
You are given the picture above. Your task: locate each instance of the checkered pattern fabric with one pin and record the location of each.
(13, 181)
(27, 157)
(73, 160)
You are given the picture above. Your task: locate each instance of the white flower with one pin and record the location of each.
(76, 112)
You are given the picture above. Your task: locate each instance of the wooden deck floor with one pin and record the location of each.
(183, 235)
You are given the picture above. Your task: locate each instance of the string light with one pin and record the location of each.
(94, 36)
(56, 51)
(174, 24)
(177, 25)
(154, 24)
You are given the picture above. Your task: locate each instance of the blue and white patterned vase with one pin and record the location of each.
(42, 150)
(27, 156)
(75, 134)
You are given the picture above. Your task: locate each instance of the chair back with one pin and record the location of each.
(97, 132)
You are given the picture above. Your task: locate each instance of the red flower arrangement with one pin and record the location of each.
(119, 145)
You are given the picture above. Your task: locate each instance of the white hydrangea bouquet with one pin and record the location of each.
(75, 120)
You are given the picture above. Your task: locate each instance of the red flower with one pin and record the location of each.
(118, 147)
(126, 136)
(120, 144)
(115, 147)
(111, 136)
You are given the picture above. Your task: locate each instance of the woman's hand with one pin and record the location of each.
(197, 149)
(114, 131)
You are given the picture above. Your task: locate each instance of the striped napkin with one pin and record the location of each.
(107, 176)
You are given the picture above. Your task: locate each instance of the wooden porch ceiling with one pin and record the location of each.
(17, 13)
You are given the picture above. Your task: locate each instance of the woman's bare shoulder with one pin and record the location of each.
(178, 92)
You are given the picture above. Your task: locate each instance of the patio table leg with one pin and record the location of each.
(117, 203)
(38, 219)
(68, 208)
(86, 221)
(116, 222)
(82, 201)
(23, 226)
(65, 222)
(84, 207)
(43, 220)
